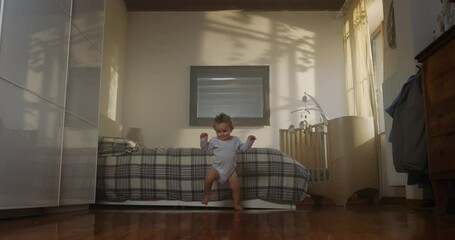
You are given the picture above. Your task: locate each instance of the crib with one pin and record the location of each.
(340, 155)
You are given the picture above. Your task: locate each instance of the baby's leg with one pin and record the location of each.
(210, 177)
(235, 188)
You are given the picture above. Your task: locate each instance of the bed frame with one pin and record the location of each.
(247, 204)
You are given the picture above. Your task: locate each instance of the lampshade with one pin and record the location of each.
(135, 134)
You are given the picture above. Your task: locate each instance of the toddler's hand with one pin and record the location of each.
(251, 138)
(204, 136)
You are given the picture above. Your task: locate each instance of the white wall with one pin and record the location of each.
(304, 51)
(415, 23)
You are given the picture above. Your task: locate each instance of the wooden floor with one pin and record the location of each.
(368, 221)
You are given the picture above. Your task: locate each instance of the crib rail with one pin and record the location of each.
(341, 156)
(309, 147)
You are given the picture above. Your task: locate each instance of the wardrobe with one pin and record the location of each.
(50, 67)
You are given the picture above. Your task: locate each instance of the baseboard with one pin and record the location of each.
(29, 212)
(65, 209)
(407, 203)
(16, 213)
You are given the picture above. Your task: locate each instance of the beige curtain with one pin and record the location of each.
(359, 66)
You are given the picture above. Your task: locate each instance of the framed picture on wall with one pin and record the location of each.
(239, 91)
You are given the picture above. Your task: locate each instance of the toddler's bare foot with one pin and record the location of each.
(238, 208)
(205, 199)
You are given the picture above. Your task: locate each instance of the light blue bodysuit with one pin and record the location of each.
(224, 152)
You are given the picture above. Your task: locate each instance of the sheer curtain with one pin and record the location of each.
(358, 61)
(360, 88)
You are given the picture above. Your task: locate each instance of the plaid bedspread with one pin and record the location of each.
(178, 174)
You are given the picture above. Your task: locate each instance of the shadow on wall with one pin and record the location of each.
(285, 41)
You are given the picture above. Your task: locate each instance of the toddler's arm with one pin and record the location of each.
(203, 141)
(248, 143)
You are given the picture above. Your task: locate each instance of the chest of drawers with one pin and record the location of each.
(439, 98)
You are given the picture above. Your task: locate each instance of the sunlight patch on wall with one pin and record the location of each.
(234, 37)
(239, 38)
(113, 91)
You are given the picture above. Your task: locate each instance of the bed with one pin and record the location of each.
(131, 174)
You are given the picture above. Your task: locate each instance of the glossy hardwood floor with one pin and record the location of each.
(354, 222)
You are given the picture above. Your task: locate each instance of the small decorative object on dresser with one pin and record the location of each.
(439, 97)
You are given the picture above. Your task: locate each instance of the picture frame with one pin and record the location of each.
(242, 92)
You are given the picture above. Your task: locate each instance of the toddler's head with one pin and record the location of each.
(223, 126)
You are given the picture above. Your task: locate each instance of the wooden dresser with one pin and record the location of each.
(439, 96)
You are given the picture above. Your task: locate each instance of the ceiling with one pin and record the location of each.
(247, 5)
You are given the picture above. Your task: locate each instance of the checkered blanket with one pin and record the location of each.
(178, 174)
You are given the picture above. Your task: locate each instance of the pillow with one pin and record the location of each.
(114, 146)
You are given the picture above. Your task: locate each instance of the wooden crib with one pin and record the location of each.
(341, 157)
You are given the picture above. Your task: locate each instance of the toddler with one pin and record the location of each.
(224, 147)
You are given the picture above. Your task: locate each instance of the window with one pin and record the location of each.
(239, 91)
